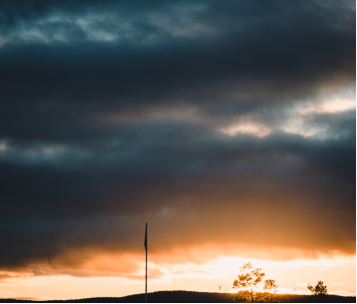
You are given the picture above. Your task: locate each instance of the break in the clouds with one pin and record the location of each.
(224, 124)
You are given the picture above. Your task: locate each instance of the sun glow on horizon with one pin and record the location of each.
(279, 290)
(337, 272)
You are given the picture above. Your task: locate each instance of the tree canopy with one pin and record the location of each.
(250, 277)
(319, 289)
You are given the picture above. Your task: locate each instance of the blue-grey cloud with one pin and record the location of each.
(114, 112)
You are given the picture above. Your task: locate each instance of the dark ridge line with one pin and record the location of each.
(181, 296)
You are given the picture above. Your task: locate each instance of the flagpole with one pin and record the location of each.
(146, 264)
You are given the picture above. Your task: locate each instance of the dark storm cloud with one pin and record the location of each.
(112, 113)
(290, 51)
(57, 206)
(339, 124)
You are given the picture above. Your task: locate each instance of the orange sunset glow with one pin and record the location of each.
(229, 127)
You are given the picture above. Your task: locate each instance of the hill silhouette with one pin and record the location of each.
(192, 297)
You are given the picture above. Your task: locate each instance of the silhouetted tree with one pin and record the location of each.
(319, 289)
(244, 296)
(250, 277)
(270, 285)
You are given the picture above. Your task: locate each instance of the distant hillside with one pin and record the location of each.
(193, 297)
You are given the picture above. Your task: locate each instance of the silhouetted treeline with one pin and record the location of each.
(193, 297)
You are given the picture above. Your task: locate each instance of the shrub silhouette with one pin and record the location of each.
(319, 289)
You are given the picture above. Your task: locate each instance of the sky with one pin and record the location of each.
(228, 126)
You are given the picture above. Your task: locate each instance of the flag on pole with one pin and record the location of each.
(146, 237)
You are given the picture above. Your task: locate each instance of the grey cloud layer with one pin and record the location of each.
(113, 110)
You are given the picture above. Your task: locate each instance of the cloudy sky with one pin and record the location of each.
(228, 126)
